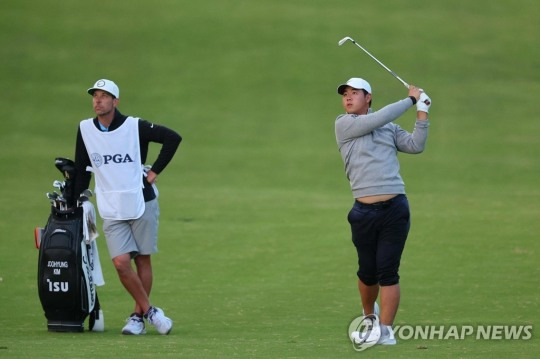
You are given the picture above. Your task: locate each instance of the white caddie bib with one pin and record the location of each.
(118, 170)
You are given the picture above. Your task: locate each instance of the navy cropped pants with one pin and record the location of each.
(379, 232)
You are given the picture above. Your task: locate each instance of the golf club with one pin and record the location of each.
(52, 198)
(81, 200)
(63, 203)
(87, 193)
(58, 184)
(345, 39)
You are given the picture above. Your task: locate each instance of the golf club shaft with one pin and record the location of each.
(374, 58)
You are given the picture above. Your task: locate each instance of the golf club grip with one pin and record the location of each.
(401, 80)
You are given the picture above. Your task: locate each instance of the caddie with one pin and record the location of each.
(115, 147)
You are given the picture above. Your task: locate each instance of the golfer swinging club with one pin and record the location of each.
(116, 147)
(368, 142)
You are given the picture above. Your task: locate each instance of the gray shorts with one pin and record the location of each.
(134, 236)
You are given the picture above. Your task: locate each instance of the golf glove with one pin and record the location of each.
(423, 103)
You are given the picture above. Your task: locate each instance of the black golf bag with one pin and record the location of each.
(65, 285)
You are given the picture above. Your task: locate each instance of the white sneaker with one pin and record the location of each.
(387, 336)
(369, 333)
(134, 325)
(375, 310)
(157, 318)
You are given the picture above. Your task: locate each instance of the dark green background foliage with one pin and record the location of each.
(255, 255)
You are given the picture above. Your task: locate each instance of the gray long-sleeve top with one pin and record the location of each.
(369, 144)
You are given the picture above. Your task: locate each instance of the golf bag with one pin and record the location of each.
(65, 285)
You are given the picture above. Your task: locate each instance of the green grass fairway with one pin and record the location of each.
(255, 254)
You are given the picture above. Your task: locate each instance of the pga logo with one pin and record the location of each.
(106, 159)
(96, 158)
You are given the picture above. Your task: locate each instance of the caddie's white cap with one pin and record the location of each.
(105, 85)
(355, 83)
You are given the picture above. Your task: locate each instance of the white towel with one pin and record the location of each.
(89, 222)
(90, 233)
(97, 273)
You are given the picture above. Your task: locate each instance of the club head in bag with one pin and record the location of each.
(87, 193)
(66, 166)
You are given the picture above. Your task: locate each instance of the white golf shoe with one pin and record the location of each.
(134, 325)
(387, 336)
(157, 318)
(387, 333)
(368, 333)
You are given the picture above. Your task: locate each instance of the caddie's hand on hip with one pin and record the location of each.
(151, 177)
(414, 91)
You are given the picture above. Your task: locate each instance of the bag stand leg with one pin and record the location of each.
(96, 322)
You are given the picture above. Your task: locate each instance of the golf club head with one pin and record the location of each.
(344, 40)
(87, 193)
(66, 166)
(58, 184)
